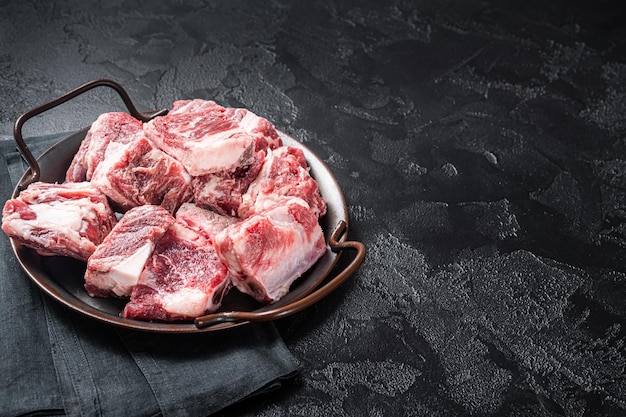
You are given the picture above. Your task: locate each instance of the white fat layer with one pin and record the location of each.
(287, 263)
(100, 178)
(209, 187)
(208, 221)
(217, 153)
(249, 122)
(59, 217)
(287, 267)
(125, 275)
(188, 302)
(114, 151)
(185, 233)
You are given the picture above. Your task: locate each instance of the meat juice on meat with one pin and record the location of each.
(284, 174)
(208, 138)
(114, 127)
(138, 173)
(115, 266)
(183, 279)
(68, 219)
(267, 252)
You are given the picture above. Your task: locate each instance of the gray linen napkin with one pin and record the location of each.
(57, 362)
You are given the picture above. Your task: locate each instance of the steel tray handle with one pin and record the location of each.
(35, 171)
(303, 303)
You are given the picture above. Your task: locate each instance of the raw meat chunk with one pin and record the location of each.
(267, 252)
(115, 127)
(223, 191)
(209, 138)
(115, 266)
(206, 222)
(183, 279)
(285, 174)
(68, 219)
(139, 173)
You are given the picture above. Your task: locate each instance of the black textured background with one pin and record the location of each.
(481, 149)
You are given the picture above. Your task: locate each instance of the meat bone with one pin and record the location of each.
(303, 303)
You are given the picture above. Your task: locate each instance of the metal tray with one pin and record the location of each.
(62, 278)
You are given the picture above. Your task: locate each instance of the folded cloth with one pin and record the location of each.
(58, 362)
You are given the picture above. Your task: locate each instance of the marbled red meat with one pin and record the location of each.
(267, 252)
(206, 222)
(209, 138)
(138, 173)
(183, 279)
(115, 127)
(68, 219)
(284, 175)
(114, 268)
(223, 191)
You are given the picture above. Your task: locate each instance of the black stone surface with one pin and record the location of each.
(481, 147)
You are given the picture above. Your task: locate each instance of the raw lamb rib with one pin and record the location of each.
(183, 279)
(115, 127)
(138, 173)
(68, 219)
(115, 266)
(209, 138)
(285, 174)
(267, 252)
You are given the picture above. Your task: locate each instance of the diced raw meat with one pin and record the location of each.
(115, 266)
(267, 252)
(68, 219)
(139, 173)
(206, 222)
(183, 279)
(223, 191)
(115, 127)
(209, 138)
(285, 174)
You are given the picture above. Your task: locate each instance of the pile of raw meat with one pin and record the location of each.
(174, 212)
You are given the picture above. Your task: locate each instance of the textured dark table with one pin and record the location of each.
(481, 149)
